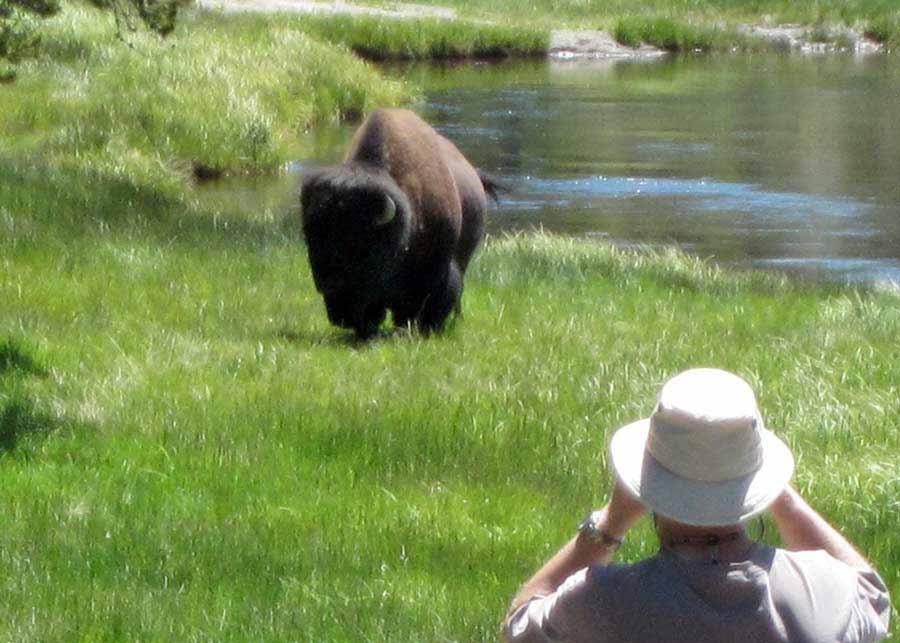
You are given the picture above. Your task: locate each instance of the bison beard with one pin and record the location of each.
(393, 227)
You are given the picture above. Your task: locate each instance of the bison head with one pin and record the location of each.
(357, 225)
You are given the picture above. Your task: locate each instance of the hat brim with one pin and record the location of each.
(694, 502)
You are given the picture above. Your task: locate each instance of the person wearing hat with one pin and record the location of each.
(704, 465)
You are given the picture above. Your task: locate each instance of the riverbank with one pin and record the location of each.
(718, 23)
(647, 29)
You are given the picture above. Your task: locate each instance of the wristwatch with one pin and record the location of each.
(590, 528)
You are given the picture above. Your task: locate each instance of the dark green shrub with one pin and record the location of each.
(19, 38)
(628, 32)
(884, 30)
(158, 15)
(40, 7)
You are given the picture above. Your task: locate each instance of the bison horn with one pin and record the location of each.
(387, 215)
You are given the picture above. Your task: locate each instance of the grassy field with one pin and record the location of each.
(189, 452)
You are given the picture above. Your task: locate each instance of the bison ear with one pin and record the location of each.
(388, 213)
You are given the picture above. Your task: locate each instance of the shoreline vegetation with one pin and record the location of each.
(189, 452)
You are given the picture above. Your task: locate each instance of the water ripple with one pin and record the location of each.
(700, 194)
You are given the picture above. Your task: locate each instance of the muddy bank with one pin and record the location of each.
(566, 44)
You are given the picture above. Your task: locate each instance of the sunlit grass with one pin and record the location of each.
(387, 39)
(189, 451)
(221, 94)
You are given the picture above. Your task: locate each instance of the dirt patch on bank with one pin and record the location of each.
(565, 44)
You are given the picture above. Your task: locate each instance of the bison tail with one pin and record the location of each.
(491, 186)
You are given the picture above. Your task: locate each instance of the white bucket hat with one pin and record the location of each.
(704, 456)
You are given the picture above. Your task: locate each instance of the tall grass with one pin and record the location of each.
(885, 29)
(189, 452)
(221, 93)
(677, 35)
(385, 39)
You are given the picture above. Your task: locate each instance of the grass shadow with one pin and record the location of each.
(341, 337)
(20, 416)
(13, 358)
(79, 202)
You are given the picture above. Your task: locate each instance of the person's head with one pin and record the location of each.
(704, 457)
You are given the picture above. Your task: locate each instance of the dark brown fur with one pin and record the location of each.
(414, 264)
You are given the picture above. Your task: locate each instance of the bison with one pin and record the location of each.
(393, 228)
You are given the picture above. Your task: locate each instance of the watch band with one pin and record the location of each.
(590, 528)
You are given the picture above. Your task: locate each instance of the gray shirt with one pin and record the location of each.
(774, 596)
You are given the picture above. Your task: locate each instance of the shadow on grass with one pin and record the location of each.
(82, 201)
(14, 358)
(20, 416)
(340, 337)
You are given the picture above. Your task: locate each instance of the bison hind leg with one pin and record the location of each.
(443, 299)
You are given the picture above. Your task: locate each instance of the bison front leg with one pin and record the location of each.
(347, 313)
(370, 321)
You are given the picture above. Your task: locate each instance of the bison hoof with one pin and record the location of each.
(371, 320)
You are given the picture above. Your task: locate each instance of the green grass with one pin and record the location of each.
(378, 38)
(189, 452)
(885, 29)
(224, 94)
(679, 36)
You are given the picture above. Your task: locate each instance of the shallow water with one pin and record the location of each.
(779, 162)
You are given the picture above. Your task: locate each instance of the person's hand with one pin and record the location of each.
(623, 510)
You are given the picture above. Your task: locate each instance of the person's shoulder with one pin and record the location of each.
(814, 568)
(815, 562)
(822, 593)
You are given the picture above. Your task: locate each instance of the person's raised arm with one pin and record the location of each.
(802, 528)
(622, 511)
